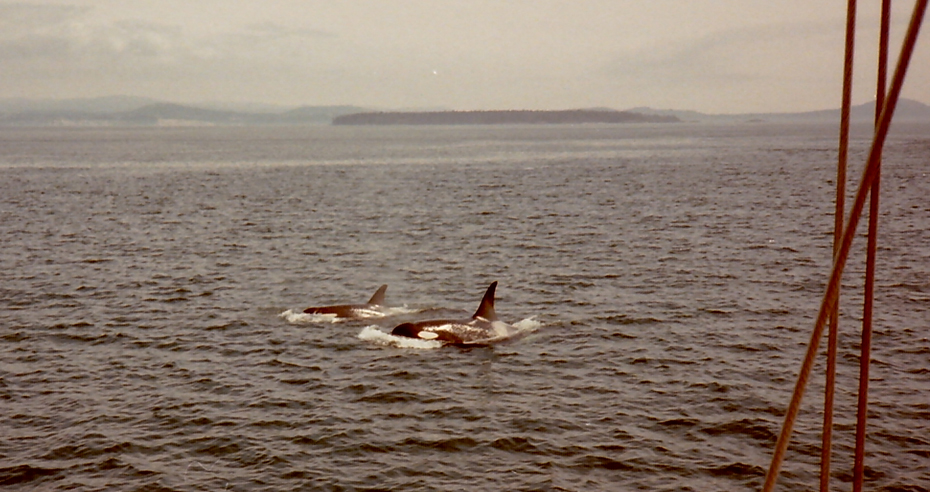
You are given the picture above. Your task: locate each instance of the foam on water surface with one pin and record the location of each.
(374, 334)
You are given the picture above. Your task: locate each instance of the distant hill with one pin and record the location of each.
(906, 110)
(160, 112)
(123, 111)
(319, 114)
(109, 104)
(243, 107)
(136, 111)
(573, 116)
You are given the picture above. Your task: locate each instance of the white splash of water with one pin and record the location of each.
(304, 318)
(374, 334)
(393, 311)
(527, 325)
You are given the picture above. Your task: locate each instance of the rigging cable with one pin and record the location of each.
(865, 347)
(833, 334)
(869, 176)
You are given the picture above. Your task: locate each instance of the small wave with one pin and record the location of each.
(79, 324)
(737, 469)
(387, 397)
(622, 319)
(25, 473)
(718, 311)
(748, 427)
(286, 363)
(680, 422)
(13, 337)
(451, 444)
(914, 350)
(516, 444)
(594, 461)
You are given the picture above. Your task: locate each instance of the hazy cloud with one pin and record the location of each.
(745, 64)
(56, 43)
(710, 55)
(16, 17)
(60, 34)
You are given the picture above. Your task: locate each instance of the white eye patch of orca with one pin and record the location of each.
(428, 335)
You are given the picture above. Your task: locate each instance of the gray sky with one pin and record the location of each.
(718, 56)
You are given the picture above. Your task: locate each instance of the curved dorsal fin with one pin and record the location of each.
(378, 298)
(486, 308)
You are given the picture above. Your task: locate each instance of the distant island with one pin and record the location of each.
(907, 110)
(124, 111)
(514, 117)
(140, 111)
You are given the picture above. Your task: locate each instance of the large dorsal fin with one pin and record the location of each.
(378, 298)
(486, 308)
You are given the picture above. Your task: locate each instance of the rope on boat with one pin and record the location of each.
(869, 177)
(865, 349)
(833, 334)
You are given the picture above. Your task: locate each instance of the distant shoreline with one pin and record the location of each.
(129, 111)
(572, 116)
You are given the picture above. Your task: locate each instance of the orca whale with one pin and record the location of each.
(374, 308)
(482, 328)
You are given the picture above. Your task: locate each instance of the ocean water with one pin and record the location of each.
(666, 276)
